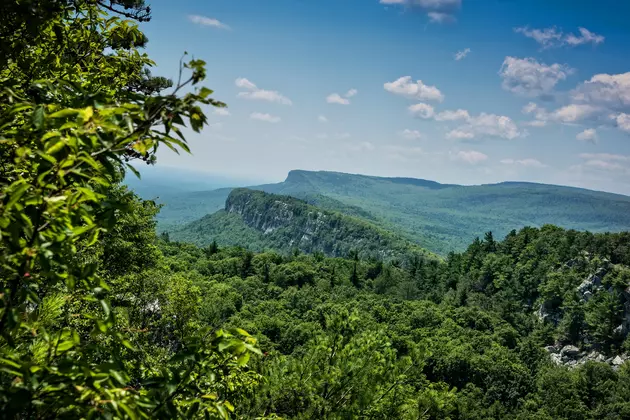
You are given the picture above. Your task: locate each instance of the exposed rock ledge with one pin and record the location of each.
(571, 356)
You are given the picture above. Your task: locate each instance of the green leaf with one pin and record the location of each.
(64, 113)
(38, 117)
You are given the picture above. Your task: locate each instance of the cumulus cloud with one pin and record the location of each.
(610, 90)
(422, 110)
(569, 114)
(623, 121)
(486, 125)
(528, 77)
(460, 55)
(554, 37)
(494, 126)
(469, 156)
(265, 117)
(335, 98)
(222, 112)
(254, 93)
(410, 134)
(574, 113)
(589, 135)
(206, 21)
(482, 125)
(528, 163)
(406, 87)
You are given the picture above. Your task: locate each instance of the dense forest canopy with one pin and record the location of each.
(101, 317)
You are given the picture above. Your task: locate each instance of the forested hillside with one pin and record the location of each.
(463, 338)
(438, 217)
(263, 221)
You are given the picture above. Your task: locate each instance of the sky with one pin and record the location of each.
(456, 91)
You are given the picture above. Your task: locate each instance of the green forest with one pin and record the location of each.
(103, 317)
(438, 217)
(265, 221)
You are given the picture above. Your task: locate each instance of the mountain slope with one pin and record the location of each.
(439, 217)
(268, 221)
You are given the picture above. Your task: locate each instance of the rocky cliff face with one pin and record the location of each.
(289, 223)
(591, 287)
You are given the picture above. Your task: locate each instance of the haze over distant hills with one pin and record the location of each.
(438, 217)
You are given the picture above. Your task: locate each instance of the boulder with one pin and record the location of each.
(555, 358)
(570, 351)
(618, 361)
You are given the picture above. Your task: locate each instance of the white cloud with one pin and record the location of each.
(335, 98)
(495, 125)
(573, 113)
(481, 125)
(322, 136)
(528, 77)
(547, 37)
(623, 121)
(438, 11)
(255, 93)
(460, 114)
(491, 125)
(460, 135)
(589, 135)
(322, 119)
(536, 123)
(440, 17)
(469, 156)
(206, 21)
(585, 37)
(222, 112)
(568, 114)
(404, 86)
(342, 136)
(410, 134)
(243, 83)
(265, 117)
(528, 163)
(460, 55)
(611, 90)
(422, 110)
(554, 37)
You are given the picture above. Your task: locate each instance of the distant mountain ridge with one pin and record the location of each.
(438, 217)
(263, 221)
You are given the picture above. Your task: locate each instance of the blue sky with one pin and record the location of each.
(540, 92)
